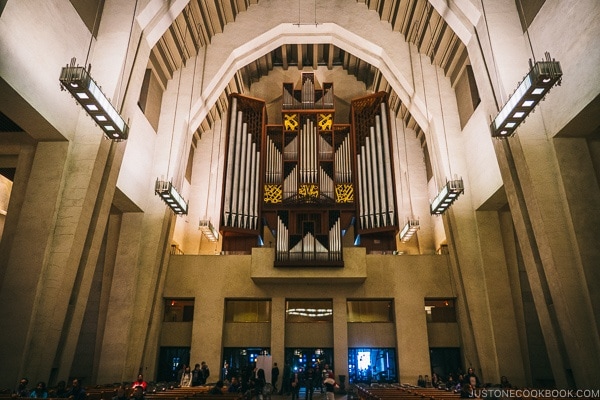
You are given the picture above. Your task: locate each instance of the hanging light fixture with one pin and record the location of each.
(171, 196)
(207, 228)
(409, 229)
(542, 76)
(453, 188)
(412, 223)
(78, 81)
(163, 188)
(447, 196)
(205, 225)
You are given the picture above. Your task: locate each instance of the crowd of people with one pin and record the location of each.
(74, 392)
(464, 383)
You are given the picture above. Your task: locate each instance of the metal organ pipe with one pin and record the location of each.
(240, 131)
(230, 163)
(387, 163)
(374, 179)
(373, 200)
(255, 200)
(247, 182)
(382, 189)
(242, 181)
(362, 192)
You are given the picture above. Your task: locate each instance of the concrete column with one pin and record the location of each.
(582, 194)
(411, 331)
(124, 232)
(278, 334)
(340, 338)
(207, 340)
(502, 309)
(25, 272)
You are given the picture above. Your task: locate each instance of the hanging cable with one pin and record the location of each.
(218, 157)
(443, 122)
(137, 49)
(212, 146)
(526, 28)
(176, 106)
(92, 33)
(498, 82)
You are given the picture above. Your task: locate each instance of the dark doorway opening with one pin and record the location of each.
(444, 361)
(170, 361)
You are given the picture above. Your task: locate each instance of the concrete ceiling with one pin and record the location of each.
(417, 20)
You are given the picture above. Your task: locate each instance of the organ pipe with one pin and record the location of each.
(240, 204)
(230, 163)
(381, 174)
(388, 163)
(361, 187)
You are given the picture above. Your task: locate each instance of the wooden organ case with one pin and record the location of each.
(299, 179)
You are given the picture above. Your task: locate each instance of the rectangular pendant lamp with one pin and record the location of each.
(531, 90)
(447, 196)
(169, 194)
(78, 81)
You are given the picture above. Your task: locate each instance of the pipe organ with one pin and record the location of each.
(241, 189)
(298, 180)
(377, 219)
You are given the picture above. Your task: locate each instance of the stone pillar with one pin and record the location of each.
(278, 335)
(124, 232)
(502, 308)
(25, 272)
(340, 337)
(411, 332)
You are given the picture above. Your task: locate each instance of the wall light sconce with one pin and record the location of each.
(447, 196)
(78, 81)
(169, 194)
(411, 227)
(542, 76)
(207, 228)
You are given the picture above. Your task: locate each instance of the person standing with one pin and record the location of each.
(285, 380)
(330, 386)
(295, 386)
(274, 376)
(186, 378)
(309, 382)
(205, 372)
(197, 375)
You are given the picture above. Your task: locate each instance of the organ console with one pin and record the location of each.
(298, 180)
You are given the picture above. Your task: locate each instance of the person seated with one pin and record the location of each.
(40, 391)
(22, 390)
(60, 392)
(121, 394)
(140, 382)
(467, 392)
(504, 383)
(138, 393)
(217, 389)
(76, 392)
(235, 386)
